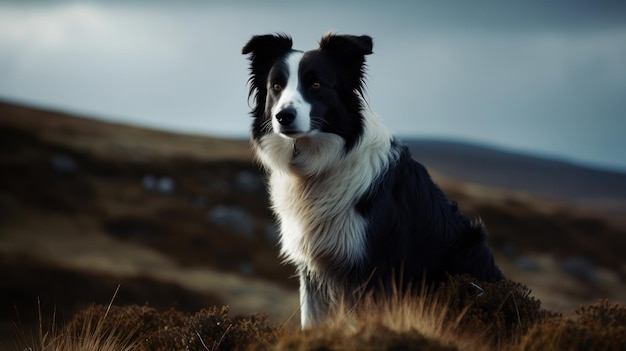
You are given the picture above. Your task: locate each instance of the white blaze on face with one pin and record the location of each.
(292, 97)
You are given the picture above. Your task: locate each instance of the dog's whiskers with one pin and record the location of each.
(318, 122)
(266, 127)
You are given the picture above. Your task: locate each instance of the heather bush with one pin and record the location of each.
(601, 326)
(502, 311)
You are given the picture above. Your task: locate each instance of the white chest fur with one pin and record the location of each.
(314, 187)
(318, 220)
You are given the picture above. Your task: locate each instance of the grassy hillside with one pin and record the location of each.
(180, 221)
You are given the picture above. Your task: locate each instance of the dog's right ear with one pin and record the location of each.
(264, 50)
(267, 45)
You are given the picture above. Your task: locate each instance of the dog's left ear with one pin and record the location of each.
(349, 51)
(347, 47)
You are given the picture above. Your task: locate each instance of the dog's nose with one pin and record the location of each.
(286, 116)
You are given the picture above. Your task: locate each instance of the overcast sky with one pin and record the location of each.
(543, 78)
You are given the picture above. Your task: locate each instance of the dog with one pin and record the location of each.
(355, 210)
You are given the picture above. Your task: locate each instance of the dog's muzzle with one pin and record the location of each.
(286, 118)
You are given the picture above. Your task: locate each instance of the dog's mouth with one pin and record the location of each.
(290, 133)
(293, 133)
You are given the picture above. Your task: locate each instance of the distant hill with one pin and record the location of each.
(462, 161)
(548, 178)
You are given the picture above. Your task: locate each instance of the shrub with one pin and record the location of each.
(503, 311)
(601, 326)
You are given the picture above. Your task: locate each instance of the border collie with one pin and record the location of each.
(354, 208)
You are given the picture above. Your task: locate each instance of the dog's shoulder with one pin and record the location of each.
(404, 183)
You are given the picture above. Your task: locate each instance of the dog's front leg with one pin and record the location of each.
(314, 304)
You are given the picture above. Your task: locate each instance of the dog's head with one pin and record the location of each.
(301, 94)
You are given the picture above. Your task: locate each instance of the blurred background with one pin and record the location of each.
(124, 158)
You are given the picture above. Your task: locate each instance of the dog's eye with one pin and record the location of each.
(316, 85)
(277, 87)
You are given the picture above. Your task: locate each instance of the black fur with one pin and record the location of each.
(415, 228)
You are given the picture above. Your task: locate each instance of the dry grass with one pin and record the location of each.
(402, 322)
(94, 334)
(458, 316)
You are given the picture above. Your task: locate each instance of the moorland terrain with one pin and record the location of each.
(182, 221)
